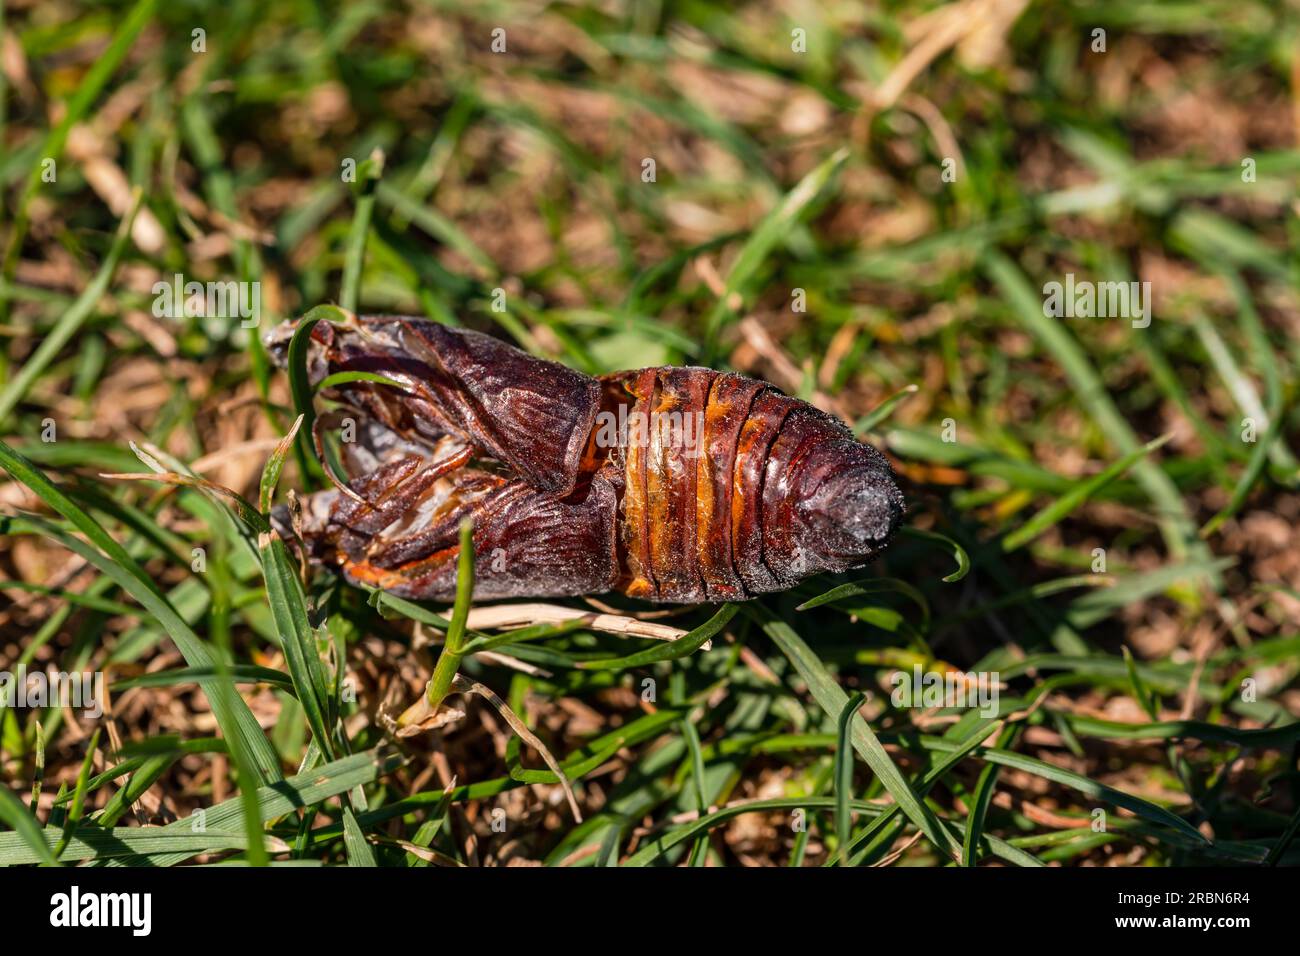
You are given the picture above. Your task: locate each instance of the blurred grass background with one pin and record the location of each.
(859, 203)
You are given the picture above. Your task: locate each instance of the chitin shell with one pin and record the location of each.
(667, 484)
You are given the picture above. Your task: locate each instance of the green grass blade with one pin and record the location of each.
(683, 646)
(869, 586)
(933, 775)
(958, 552)
(843, 773)
(113, 560)
(88, 88)
(1141, 693)
(143, 845)
(288, 605)
(1171, 512)
(656, 846)
(25, 828)
(438, 226)
(300, 384)
(832, 699)
(980, 802)
(78, 796)
(444, 671)
(774, 228)
(700, 851)
(882, 411)
(354, 257)
(1249, 476)
(72, 320)
(343, 378)
(354, 841)
(274, 466)
(1065, 505)
(1089, 788)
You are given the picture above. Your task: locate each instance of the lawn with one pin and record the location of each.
(1041, 254)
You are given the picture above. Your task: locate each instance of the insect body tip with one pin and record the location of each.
(851, 515)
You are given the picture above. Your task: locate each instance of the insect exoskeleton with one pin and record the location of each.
(668, 484)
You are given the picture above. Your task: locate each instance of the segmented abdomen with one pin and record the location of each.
(693, 452)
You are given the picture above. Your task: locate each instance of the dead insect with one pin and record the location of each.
(668, 484)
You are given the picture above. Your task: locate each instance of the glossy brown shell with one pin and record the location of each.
(577, 485)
